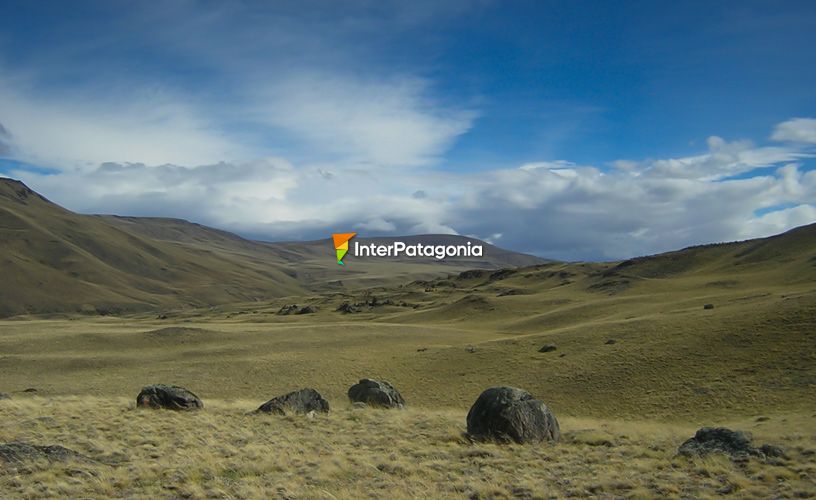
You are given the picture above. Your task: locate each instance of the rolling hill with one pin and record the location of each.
(639, 354)
(55, 260)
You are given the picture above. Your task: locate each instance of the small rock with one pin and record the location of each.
(737, 444)
(470, 349)
(303, 401)
(3, 395)
(170, 397)
(376, 393)
(727, 489)
(772, 451)
(422, 349)
(347, 308)
(762, 418)
(548, 348)
(708, 306)
(288, 309)
(610, 341)
(306, 310)
(23, 452)
(30, 389)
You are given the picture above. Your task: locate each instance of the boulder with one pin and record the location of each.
(548, 348)
(302, 401)
(508, 414)
(737, 444)
(170, 397)
(376, 393)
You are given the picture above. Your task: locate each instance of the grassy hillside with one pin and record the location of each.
(58, 261)
(646, 351)
(633, 338)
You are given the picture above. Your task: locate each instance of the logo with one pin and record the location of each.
(400, 249)
(341, 245)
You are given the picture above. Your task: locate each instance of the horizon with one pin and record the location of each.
(409, 236)
(577, 132)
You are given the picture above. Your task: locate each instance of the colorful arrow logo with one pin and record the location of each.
(341, 244)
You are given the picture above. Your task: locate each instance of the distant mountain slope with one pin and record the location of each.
(56, 260)
(790, 256)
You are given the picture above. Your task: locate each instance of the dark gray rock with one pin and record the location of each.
(506, 414)
(16, 453)
(288, 309)
(3, 395)
(737, 444)
(610, 341)
(708, 306)
(169, 397)
(548, 348)
(30, 390)
(772, 451)
(347, 308)
(306, 310)
(376, 393)
(302, 401)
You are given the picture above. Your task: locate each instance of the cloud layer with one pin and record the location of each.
(556, 209)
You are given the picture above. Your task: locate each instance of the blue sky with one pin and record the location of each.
(577, 130)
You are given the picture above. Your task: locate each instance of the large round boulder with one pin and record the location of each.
(169, 397)
(506, 414)
(376, 393)
(302, 402)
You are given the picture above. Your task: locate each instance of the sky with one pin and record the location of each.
(581, 130)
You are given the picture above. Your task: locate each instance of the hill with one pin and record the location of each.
(55, 260)
(640, 354)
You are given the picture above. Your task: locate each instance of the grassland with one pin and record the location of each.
(221, 452)
(640, 364)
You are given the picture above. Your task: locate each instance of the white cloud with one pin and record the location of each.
(556, 209)
(802, 130)
(778, 221)
(376, 224)
(80, 130)
(723, 159)
(390, 122)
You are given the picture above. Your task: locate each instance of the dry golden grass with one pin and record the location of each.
(624, 406)
(222, 452)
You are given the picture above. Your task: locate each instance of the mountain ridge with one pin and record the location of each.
(56, 260)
